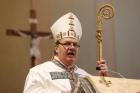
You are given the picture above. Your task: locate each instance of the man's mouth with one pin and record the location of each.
(71, 53)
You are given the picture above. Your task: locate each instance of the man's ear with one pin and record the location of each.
(56, 49)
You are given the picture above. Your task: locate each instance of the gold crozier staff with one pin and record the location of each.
(105, 12)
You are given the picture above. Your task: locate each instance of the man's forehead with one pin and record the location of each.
(68, 39)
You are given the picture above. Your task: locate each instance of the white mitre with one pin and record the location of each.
(67, 26)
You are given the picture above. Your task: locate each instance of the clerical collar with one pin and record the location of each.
(60, 64)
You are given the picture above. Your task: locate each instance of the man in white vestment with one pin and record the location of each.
(60, 75)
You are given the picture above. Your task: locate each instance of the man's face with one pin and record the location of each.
(67, 51)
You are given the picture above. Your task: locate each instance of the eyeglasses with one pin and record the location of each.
(69, 44)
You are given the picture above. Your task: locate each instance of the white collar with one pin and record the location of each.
(57, 59)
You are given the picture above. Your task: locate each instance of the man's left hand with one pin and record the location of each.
(102, 67)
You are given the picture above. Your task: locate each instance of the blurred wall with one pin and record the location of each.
(127, 36)
(14, 51)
